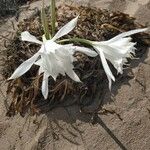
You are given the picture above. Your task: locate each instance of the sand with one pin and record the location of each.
(126, 124)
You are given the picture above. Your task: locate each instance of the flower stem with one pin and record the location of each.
(45, 22)
(53, 16)
(83, 41)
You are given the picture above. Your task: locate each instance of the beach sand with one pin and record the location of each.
(126, 125)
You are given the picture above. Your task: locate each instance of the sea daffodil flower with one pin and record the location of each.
(52, 58)
(116, 50)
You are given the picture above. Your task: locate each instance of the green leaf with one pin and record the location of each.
(45, 23)
(53, 16)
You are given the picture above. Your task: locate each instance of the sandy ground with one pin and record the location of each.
(125, 126)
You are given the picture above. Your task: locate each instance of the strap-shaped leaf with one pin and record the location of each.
(45, 23)
(53, 16)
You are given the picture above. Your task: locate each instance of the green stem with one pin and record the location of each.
(83, 41)
(45, 22)
(53, 16)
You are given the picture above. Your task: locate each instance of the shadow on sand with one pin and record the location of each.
(90, 114)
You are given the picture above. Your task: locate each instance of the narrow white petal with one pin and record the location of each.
(26, 36)
(38, 62)
(128, 33)
(66, 29)
(24, 67)
(105, 66)
(85, 50)
(72, 75)
(110, 82)
(41, 70)
(45, 86)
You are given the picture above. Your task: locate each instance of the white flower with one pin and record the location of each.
(116, 50)
(52, 58)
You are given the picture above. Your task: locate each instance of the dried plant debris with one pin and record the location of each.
(95, 24)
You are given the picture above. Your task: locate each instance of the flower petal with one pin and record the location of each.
(39, 63)
(51, 46)
(85, 50)
(26, 36)
(50, 65)
(45, 86)
(72, 75)
(117, 51)
(66, 29)
(41, 70)
(24, 67)
(128, 33)
(106, 67)
(54, 68)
